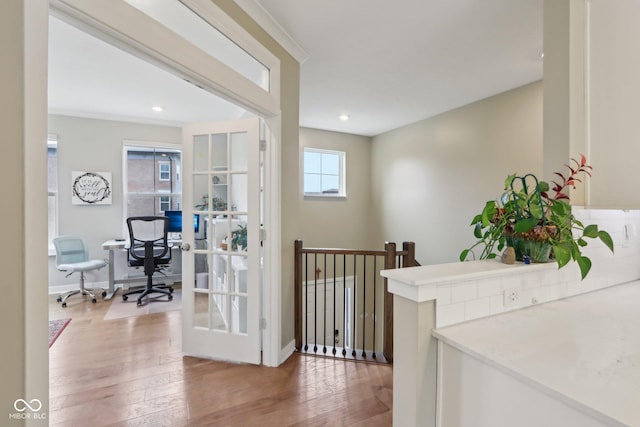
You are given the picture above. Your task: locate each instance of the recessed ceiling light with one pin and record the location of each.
(157, 108)
(344, 117)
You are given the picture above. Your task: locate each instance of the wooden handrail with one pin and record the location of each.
(339, 251)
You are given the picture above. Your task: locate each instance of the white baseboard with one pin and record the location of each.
(287, 351)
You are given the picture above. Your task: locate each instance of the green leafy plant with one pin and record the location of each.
(532, 211)
(218, 204)
(239, 237)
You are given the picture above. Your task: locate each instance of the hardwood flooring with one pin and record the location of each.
(131, 372)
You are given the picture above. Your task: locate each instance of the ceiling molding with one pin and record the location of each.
(83, 114)
(273, 28)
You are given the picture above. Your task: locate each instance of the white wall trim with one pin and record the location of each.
(34, 47)
(272, 295)
(273, 28)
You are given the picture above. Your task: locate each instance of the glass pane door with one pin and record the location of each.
(223, 304)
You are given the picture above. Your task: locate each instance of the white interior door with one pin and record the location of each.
(221, 271)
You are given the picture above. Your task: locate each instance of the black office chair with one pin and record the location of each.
(149, 248)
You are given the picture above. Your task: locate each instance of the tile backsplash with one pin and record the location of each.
(466, 300)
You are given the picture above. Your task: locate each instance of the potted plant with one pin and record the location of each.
(536, 220)
(218, 204)
(239, 238)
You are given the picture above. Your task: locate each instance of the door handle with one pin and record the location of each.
(185, 247)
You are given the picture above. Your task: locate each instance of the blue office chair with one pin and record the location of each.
(149, 248)
(72, 256)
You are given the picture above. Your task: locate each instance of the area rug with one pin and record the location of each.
(55, 329)
(154, 303)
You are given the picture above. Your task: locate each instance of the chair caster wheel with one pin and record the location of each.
(139, 303)
(171, 290)
(170, 297)
(64, 305)
(94, 301)
(59, 299)
(124, 297)
(104, 294)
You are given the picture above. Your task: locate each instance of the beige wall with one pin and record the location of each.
(557, 71)
(289, 105)
(12, 305)
(95, 145)
(613, 85)
(343, 222)
(430, 178)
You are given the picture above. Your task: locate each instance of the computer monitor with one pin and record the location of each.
(175, 222)
(196, 224)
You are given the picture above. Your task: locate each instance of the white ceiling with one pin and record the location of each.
(91, 78)
(386, 64)
(391, 63)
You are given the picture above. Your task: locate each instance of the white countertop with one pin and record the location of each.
(584, 350)
(419, 283)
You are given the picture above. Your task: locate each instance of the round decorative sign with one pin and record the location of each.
(91, 187)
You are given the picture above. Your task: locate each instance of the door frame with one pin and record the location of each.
(184, 59)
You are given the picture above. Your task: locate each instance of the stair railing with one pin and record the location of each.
(342, 305)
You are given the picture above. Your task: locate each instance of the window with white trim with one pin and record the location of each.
(324, 173)
(164, 170)
(165, 203)
(150, 186)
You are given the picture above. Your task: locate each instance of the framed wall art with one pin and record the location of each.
(91, 188)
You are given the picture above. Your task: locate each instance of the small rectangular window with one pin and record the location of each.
(165, 171)
(324, 173)
(165, 203)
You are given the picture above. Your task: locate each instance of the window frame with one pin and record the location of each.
(166, 200)
(128, 145)
(162, 163)
(342, 174)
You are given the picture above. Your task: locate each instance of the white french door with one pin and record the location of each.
(222, 268)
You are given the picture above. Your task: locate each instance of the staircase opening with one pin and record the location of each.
(342, 306)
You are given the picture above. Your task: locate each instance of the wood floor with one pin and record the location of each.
(131, 372)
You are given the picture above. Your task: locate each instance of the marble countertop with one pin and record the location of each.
(584, 350)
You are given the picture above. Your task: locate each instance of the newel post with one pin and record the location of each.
(409, 260)
(297, 285)
(389, 263)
